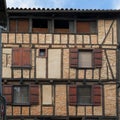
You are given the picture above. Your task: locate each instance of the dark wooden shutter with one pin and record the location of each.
(83, 27)
(73, 57)
(26, 57)
(12, 25)
(97, 58)
(34, 94)
(16, 57)
(23, 26)
(96, 94)
(7, 93)
(72, 95)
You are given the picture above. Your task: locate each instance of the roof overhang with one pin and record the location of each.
(3, 13)
(65, 13)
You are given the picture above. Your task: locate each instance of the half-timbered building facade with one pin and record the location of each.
(61, 64)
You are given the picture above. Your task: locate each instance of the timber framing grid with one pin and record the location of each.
(48, 65)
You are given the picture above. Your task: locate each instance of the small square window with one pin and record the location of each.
(42, 52)
(84, 95)
(21, 95)
(85, 59)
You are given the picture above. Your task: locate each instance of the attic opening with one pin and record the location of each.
(40, 25)
(61, 26)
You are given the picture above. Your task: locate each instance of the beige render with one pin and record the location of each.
(58, 49)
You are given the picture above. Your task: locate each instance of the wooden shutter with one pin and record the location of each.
(97, 58)
(72, 95)
(12, 25)
(16, 57)
(83, 27)
(26, 57)
(74, 57)
(7, 93)
(23, 26)
(96, 94)
(34, 94)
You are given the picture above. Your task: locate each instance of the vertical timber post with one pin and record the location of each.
(118, 69)
(0, 60)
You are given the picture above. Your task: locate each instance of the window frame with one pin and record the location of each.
(92, 61)
(45, 53)
(26, 86)
(96, 58)
(96, 95)
(34, 93)
(86, 86)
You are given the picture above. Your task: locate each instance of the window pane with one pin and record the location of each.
(42, 52)
(21, 95)
(84, 95)
(84, 100)
(85, 91)
(85, 59)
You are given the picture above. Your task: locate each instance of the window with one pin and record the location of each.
(61, 26)
(40, 25)
(85, 58)
(42, 52)
(21, 95)
(21, 57)
(85, 95)
(86, 26)
(47, 94)
(16, 25)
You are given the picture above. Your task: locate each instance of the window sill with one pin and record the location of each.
(47, 105)
(86, 68)
(21, 67)
(87, 104)
(87, 33)
(21, 104)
